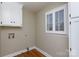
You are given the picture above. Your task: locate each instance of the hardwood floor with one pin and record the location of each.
(32, 53)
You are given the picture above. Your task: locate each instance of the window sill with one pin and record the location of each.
(60, 32)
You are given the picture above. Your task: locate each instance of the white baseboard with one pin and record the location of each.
(34, 47)
(15, 53)
(43, 52)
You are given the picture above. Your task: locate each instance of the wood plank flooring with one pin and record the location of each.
(32, 53)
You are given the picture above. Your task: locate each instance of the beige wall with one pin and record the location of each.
(34, 30)
(54, 44)
(24, 37)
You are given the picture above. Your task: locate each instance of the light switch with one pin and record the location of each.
(25, 35)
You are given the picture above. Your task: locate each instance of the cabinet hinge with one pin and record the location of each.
(1, 2)
(1, 22)
(70, 49)
(69, 15)
(70, 22)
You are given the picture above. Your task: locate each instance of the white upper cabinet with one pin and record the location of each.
(11, 14)
(74, 9)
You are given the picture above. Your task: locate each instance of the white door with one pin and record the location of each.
(74, 37)
(74, 28)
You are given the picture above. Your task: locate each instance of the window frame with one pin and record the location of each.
(46, 21)
(63, 7)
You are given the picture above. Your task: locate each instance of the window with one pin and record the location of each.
(59, 20)
(55, 20)
(49, 22)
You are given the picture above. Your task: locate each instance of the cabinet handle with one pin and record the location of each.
(11, 22)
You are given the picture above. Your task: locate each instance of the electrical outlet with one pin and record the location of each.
(11, 35)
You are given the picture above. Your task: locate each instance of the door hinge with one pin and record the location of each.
(70, 49)
(69, 15)
(70, 22)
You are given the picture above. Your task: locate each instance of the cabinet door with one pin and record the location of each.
(6, 14)
(74, 9)
(74, 37)
(0, 15)
(16, 15)
(11, 14)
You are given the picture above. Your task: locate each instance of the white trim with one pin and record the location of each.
(69, 19)
(15, 53)
(50, 12)
(34, 47)
(43, 52)
(59, 32)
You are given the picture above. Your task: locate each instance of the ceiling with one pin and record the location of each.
(36, 6)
